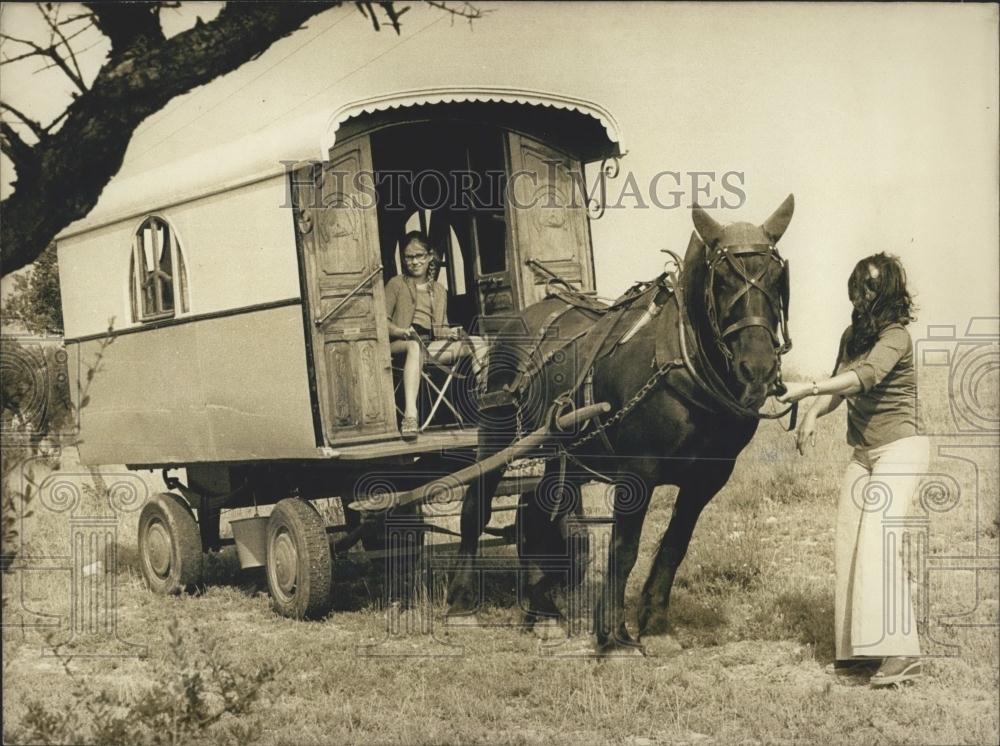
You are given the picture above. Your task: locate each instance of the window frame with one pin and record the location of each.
(178, 273)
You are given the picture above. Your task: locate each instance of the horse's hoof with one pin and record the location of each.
(467, 620)
(663, 645)
(548, 628)
(616, 649)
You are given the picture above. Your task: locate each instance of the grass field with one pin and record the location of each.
(752, 611)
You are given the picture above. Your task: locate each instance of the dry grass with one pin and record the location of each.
(752, 611)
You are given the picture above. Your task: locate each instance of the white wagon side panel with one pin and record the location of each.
(238, 249)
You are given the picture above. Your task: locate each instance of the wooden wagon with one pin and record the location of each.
(225, 311)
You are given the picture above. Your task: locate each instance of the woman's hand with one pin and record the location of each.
(795, 391)
(805, 434)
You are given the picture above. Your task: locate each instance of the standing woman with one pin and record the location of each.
(416, 306)
(874, 623)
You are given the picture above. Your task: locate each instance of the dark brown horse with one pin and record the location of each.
(686, 363)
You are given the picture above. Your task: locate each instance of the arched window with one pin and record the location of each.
(157, 273)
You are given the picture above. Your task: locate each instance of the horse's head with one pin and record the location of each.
(746, 297)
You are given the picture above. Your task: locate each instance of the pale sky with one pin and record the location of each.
(881, 119)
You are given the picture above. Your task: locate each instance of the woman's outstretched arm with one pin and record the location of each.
(844, 384)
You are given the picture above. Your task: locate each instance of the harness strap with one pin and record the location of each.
(749, 321)
(531, 367)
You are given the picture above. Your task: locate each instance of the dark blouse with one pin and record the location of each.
(886, 407)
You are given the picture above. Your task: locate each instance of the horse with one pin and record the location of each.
(686, 362)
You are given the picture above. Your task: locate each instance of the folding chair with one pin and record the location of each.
(449, 356)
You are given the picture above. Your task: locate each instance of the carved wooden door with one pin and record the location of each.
(547, 208)
(338, 235)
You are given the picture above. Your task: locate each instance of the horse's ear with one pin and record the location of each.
(695, 250)
(776, 225)
(705, 224)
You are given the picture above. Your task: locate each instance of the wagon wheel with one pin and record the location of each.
(299, 566)
(169, 545)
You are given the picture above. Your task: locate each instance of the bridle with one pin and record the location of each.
(711, 382)
(778, 302)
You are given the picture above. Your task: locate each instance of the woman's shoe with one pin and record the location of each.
(853, 667)
(408, 429)
(896, 670)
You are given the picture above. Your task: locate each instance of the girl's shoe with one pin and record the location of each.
(896, 670)
(853, 667)
(408, 429)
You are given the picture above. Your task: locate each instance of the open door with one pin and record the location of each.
(548, 218)
(338, 236)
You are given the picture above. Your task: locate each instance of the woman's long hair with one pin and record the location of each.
(878, 301)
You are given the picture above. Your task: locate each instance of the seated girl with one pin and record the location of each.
(417, 308)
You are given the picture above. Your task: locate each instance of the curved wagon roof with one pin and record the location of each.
(398, 106)
(591, 128)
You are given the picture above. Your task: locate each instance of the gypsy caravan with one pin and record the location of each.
(235, 302)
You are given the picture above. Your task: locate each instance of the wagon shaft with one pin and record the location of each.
(449, 488)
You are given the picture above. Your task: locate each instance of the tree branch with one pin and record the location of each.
(35, 49)
(60, 178)
(126, 23)
(78, 17)
(367, 9)
(466, 10)
(30, 123)
(50, 52)
(389, 8)
(12, 146)
(63, 41)
(137, 80)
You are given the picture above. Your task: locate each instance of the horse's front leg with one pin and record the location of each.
(543, 544)
(477, 508)
(693, 496)
(630, 506)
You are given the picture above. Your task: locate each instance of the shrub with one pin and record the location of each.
(191, 692)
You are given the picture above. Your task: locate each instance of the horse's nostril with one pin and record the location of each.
(746, 373)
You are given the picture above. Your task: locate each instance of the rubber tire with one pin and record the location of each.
(297, 533)
(170, 519)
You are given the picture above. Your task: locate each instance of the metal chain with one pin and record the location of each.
(628, 406)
